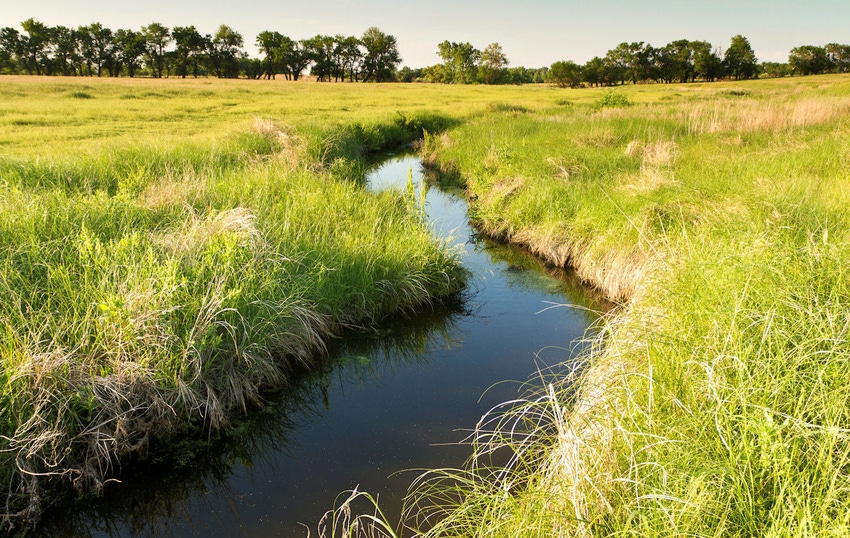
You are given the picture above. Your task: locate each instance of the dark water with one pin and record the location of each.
(384, 403)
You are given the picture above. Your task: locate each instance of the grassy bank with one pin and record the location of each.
(155, 289)
(717, 402)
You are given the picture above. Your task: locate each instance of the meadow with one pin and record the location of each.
(171, 247)
(716, 401)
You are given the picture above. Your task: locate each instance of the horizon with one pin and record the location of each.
(532, 35)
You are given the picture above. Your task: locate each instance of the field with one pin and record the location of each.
(169, 247)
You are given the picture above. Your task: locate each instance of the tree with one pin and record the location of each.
(11, 48)
(564, 74)
(295, 60)
(493, 63)
(594, 71)
(381, 58)
(188, 46)
(35, 46)
(224, 52)
(273, 45)
(131, 47)
(349, 55)
(808, 60)
(157, 39)
(460, 61)
(839, 56)
(775, 69)
(740, 60)
(66, 53)
(321, 51)
(707, 63)
(95, 46)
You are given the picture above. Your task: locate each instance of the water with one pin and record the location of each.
(383, 403)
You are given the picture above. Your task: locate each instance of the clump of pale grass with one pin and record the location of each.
(197, 232)
(290, 146)
(751, 115)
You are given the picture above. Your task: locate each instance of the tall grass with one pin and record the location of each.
(716, 403)
(149, 293)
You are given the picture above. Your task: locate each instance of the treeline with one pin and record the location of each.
(689, 61)
(157, 51)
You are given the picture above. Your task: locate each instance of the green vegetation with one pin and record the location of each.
(153, 286)
(154, 290)
(716, 402)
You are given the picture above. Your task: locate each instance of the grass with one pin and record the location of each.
(153, 290)
(716, 403)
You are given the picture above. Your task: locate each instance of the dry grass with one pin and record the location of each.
(749, 115)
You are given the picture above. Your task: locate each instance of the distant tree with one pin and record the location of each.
(594, 71)
(493, 63)
(348, 55)
(740, 60)
(808, 60)
(775, 69)
(839, 56)
(131, 47)
(35, 46)
(295, 60)
(188, 46)
(321, 51)
(157, 39)
(677, 64)
(460, 61)
(617, 62)
(381, 58)
(707, 63)
(66, 53)
(224, 52)
(11, 48)
(564, 74)
(95, 46)
(273, 45)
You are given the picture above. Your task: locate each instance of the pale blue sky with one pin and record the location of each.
(533, 33)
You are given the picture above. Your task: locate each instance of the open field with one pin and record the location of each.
(161, 249)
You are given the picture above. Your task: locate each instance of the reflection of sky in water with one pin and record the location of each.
(390, 401)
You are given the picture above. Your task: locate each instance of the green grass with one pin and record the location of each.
(159, 241)
(716, 403)
(154, 290)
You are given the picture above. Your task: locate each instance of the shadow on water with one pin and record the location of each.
(384, 401)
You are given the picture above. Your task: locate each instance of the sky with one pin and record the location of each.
(532, 33)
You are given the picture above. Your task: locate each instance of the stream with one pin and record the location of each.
(382, 405)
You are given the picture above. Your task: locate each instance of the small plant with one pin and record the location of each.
(613, 99)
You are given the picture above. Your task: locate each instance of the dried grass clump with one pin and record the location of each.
(654, 173)
(756, 115)
(197, 232)
(290, 146)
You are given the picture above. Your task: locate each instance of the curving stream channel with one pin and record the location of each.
(384, 403)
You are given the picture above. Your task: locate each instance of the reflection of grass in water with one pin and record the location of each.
(173, 476)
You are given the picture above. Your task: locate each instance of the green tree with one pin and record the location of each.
(809, 60)
(95, 46)
(775, 69)
(321, 51)
(349, 55)
(595, 72)
(11, 49)
(224, 52)
(707, 63)
(564, 74)
(460, 61)
(295, 60)
(188, 46)
(66, 52)
(131, 47)
(493, 63)
(273, 45)
(740, 60)
(157, 39)
(35, 46)
(839, 56)
(381, 58)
